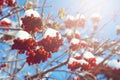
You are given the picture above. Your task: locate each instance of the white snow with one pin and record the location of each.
(69, 17)
(100, 49)
(82, 61)
(77, 32)
(31, 12)
(95, 15)
(74, 41)
(13, 1)
(83, 42)
(118, 27)
(114, 64)
(99, 60)
(51, 32)
(77, 54)
(95, 18)
(23, 35)
(94, 40)
(68, 32)
(6, 20)
(88, 55)
(71, 60)
(80, 16)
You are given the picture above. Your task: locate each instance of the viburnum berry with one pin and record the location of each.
(69, 22)
(31, 24)
(95, 18)
(80, 20)
(51, 40)
(2, 66)
(24, 44)
(76, 78)
(23, 41)
(70, 34)
(10, 3)
(83, 44)
(91, 61)
(78, 64)
(35, 57)
(90, 58)
(75, 44)
(1, 2)
(5, 22)
(74, 65)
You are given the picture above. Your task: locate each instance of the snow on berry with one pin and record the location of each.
(69, 17)
(23, 41)
(88, 55)
(75, 44)
(118, 29)
(75, 41)
(80, 20)
(114, 64)
(69, 21)
(5, 22)
(84, 44)
(76, 78)
(81, 61)
(99, 60)
(71, 60)
(77, 34)
(51, 40)
(68, 32)
(90, 58)
(10, 3)
(75, 64)
(31, 12)
(51, 33)
(23, 35)
(95, 18)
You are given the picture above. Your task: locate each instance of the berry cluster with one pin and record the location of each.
(2, 66)
(79, 64)
(24, 44)
(74, 65)
(91, 61)
(76, 78)
(31, 24)
(109, 73)
(35, 57)
(5, 22)
(51, 44)
(78, 21)
(10, 3)
(70, 23)
(70, 34)
(1, 2)
(37, 51)
(76, 44)
(82, 62)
